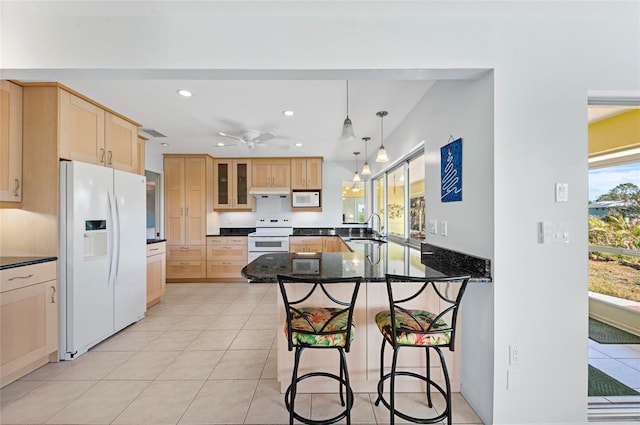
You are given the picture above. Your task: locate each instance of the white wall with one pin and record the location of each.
(546, 57)
(462, 109)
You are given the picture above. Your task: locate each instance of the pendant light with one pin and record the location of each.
(347, 126)
(356, 176)
(382, 152)
(365, 167)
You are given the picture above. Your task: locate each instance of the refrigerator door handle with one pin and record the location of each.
(118, 239)
(111, 233)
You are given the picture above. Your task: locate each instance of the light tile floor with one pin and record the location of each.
(621, 362)
(192, 360)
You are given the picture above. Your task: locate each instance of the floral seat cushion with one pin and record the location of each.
(412, 332)
(317, 326)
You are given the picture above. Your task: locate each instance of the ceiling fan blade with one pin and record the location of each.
(263, 137)
(231, 136)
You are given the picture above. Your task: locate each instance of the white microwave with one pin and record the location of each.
(305, 199)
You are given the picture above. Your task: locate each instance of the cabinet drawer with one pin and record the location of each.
(19, 277)
(224, 269)
(185, 269)
(156, 248)
(232, 252)
(305, 240)
(186, 253)
(226, 240)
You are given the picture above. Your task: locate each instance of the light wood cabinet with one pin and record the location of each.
(142, 146)
(306, 244)
(89, 133)
(334, 244)
(231, 179)
(29, 319)
(306, 173)
(10, 142)
(187, 201)
(156, 272)
(271, 172)
(226, 256)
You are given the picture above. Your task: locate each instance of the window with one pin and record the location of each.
(417, 217)
(401, 205)
(397, 207)
(353, 202)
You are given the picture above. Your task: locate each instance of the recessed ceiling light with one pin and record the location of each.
(164, 144)
(185, 93)
(219, 144)
(288, 113)
(297, 145)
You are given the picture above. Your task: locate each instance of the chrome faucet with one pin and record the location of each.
(379, 223)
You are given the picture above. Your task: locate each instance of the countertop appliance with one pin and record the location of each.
(102, 272)
(305, 199)
(271, 235)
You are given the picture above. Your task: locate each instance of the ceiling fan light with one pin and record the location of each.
(382, 155)
(347, 131)
(366, 170)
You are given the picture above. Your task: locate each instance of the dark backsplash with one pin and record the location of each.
(455, 263)
(236, 231)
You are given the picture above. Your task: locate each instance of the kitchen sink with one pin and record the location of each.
(368, 241)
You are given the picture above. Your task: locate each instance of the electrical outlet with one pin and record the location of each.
(514, 355)
(433, 226)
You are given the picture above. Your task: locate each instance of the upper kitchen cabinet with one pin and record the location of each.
(231, 179)
(121, 143)
(89, 133)
(271, 172)
(306, 173)
(142, 146)
(10, 142)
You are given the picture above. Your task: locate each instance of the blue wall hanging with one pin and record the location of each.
(451, 171)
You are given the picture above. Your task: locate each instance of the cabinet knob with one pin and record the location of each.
(102, 155)
(109, 157)
(15, 192)
(53, 294)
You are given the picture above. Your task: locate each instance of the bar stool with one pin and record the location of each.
(327, 327)
(404, 326)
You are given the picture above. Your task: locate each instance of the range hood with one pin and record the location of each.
(262, 192)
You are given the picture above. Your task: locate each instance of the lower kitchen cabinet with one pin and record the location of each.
(156, 272)
(186, 262)
(226, 256)
(29, 319)
(334, 244)
(306, 244)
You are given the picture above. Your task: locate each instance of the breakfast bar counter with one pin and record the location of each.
(371, 260)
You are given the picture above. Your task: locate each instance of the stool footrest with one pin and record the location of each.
(404, 416)
(338, 417)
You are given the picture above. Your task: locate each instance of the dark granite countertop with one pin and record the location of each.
(11, 262)
(156, 240)
(369, 260)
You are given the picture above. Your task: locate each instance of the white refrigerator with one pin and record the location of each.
(102, 267)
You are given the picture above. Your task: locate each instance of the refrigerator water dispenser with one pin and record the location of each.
(95, 239)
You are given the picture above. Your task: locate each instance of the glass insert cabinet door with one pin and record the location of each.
(231, 184)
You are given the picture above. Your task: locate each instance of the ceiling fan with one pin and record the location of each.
(248, 138)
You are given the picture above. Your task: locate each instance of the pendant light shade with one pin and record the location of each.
(356, 176)
(366, 170)
(347, 126)
(382, 152)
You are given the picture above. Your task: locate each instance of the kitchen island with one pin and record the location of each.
(371, 260)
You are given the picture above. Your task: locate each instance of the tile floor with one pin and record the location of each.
(621, 362)
(192, 360)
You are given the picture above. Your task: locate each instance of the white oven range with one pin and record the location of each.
(271, 235)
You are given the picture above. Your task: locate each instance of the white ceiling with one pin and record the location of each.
(231, 106)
